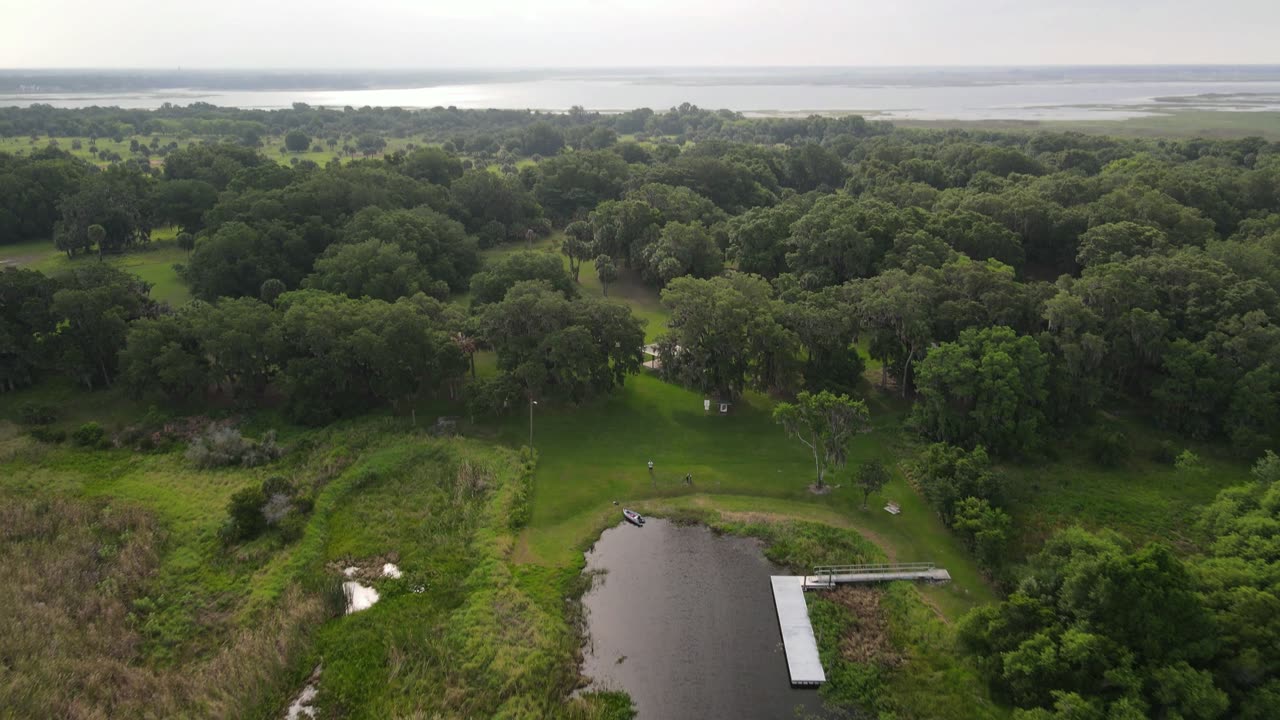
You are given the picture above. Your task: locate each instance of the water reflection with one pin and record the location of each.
(684, 622)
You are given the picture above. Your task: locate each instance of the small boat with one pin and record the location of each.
(633, 517)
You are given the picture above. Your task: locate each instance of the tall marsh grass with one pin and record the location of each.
(70, 645)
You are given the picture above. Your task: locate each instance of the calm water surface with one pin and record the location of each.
(1033, 100)
(683, 621)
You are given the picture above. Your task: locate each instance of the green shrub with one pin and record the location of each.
(1188, 462)
(245, 519)
(521, 505)
(1165, 452)
(948, 474)
(292, 527)
(1109, 448)
(32, 413)
(273, 505)
(277, 485)
(88, 434)
(493, 396)
(48, 434)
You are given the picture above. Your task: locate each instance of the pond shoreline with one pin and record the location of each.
(680, 616)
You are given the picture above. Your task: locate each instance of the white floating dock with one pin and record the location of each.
(797, 633)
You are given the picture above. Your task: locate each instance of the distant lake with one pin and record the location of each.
(915, 94)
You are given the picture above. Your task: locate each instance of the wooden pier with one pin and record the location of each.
(798, 641)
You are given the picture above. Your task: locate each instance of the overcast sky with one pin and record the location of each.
(595, 33)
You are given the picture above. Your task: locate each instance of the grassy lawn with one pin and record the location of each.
(643, 299)
(742, 465)
(152, 262)
(496, 168)
(24, 145)
(27, 254)
(271, 149)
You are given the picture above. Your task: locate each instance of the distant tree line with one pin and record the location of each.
(1010, 283)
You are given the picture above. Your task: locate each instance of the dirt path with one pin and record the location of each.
(20, 260)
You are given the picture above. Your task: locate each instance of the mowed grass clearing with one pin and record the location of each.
(741, 463)
(153, 262)
(272, 144)
(1144, 498)
(26, 146)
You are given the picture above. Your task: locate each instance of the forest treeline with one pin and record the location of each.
(487, 132)
(1011, 283)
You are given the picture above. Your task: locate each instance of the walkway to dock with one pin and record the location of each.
(825, 577)
(793, 612)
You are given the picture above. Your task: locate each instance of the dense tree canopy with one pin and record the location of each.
(492, 284)
(1101, 628)
(724, 333)
(988, 388)
(552, 346)
(1136, 268)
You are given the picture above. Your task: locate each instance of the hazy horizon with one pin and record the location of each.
(570, 34)
(606, 68)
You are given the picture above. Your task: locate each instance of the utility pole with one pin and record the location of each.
(532, 402)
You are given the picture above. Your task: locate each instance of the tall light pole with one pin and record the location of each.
(532, 402)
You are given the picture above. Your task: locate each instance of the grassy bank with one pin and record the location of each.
(460, 634)
(187, 626)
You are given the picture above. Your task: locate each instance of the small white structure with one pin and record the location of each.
(302, 705)
(359, 597)
(892, 508)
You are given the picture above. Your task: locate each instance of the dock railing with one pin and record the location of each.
(830, 571)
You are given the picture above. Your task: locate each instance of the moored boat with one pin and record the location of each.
(633, 517)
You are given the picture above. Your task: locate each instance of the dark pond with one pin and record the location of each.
(683, 621)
